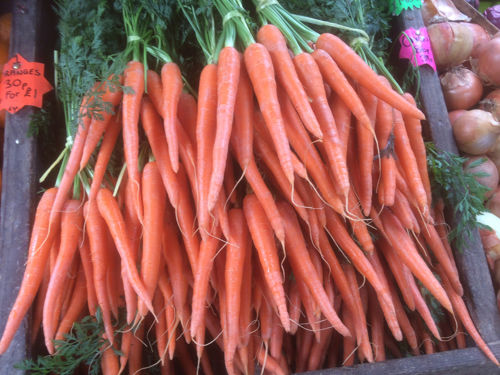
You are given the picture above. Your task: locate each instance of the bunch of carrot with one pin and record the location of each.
(284, 215)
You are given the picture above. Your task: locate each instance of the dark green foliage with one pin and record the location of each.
(372, 16)
(459, 190)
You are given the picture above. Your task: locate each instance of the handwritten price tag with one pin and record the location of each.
(23, 83)
(397, 6)
(416, 47)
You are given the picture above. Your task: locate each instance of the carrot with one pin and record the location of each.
(342, 116)
(261, 72)
(303, 267)
(97, 234)
(111, 96)
(414, 130)
(239, 245)
(187, 112)
(313, 224)
(108, 143)
(135, 351)
(205, 137)
(302, 145)
(423, 309)
(377, 327)
(125, 349)
(244, 113)
(404, 247)
(409, 165)
(438, 249)
(37, 309)
(398, 271)
(131, 105)
(268, 362)
(114, 283)
(349, 347)
(201, 280)
(108, 207)
(152, 126)
(337, 230)
(365, 142)
(171, 80)
(72, 164)
(71, 226)
(178, 269)
(246, 301)
(261, 232)
(359, 318)
(86, 259)
(161, 327)
(276, 341)
(461, 312)
(77, 304)
(42, 238)
(186, 220)
(230, 184)
(358, 223)
(384, 127)
(390, 315)
(272, 38)
(228, 75)
(109, 362)
(355, 67)
(154, 198)
(311, 78)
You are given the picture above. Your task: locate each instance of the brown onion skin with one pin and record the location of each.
(487, 63)
(462, 88)
(494, 154)
(476, 132)
(491, 103)
(451, 43)
(453, 115)
(493, 204)
(488, 167)
(479, 36)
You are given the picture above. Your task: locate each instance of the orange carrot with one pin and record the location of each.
(152, 126)
(228, 75)
(303, 268)
(42, 237)
(272, 38)
(311, 78)
(71, 226)
(108, 207)
(353, 65)
(261, 232)
(187, 112)
(86, 259)
(111, 96)
(131, 105)
(171, 80)
(261, 72)
(154, 198)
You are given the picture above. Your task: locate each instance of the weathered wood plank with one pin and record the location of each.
(475, 15)
(20, 180)
(457, 362)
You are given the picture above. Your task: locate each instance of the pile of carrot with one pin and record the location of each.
(283, 219)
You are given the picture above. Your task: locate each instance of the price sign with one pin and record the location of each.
(416, 47)
(23, 83)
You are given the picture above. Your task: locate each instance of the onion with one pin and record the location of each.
(462, 89)
(451, 42)
(479, 36)
(486, 167)
(491, 103)
(491, 243)
(492, 14)
(494, 154)
(439, 10)
(487, 63)
(453, 115)
(493, 204)
(476, 131)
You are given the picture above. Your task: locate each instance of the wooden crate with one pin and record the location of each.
(31, 37)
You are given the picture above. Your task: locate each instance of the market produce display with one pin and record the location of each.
(272, 210)
(470, 80)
